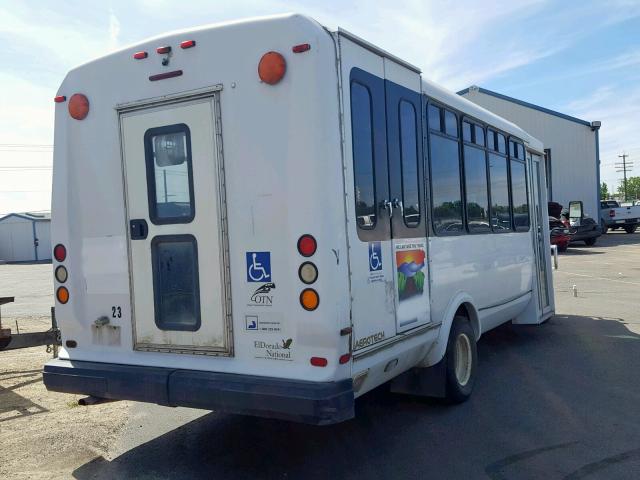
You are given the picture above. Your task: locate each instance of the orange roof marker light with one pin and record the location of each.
(272, 68)
(78, 106)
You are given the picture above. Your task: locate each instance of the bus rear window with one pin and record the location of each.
(169, 174)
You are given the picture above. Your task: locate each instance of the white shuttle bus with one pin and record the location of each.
(271, 218)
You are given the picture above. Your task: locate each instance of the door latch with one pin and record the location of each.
(138, 229)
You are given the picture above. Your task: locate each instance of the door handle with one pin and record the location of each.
(138, 229)
(398, 204)
(386, 204)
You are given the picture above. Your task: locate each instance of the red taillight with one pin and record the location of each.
(59, 99)
(307, 245)
(165, 49)
(140, 55)
(319, 362)
(188, 44)
(60, 252)
(303, 47)
(344, 358)
(612, 213)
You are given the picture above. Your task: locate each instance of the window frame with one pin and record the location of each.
(418, 138)
(472, 143)
(373, 156)
(155, 280)
(517, 142)
(496, 151)
(442, 133)
(152, 198)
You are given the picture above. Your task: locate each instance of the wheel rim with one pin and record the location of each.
(464, 359)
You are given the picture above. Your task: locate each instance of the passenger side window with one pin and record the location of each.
(363, 161)
(409, 164)
(169, 174)
(446, 195)
(476, 187)
(500, 208)
(519, 189)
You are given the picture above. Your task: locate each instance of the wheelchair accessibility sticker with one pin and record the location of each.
(375, 257)
(376, 274)
(258, 266)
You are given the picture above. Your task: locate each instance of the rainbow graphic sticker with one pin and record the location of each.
(410, 265)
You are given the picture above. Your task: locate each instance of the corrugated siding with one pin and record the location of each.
(573, 149)
(16, 240)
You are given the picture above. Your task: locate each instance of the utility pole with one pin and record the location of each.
(623, 167)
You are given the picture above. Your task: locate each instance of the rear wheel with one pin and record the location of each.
(630, 228)
(589, 242)
(461, 359)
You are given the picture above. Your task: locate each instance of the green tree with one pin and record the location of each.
(633, 188)
(604, 191)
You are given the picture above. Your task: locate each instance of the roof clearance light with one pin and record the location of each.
(309, 299)
(165, 49)
(188, 44)
(78, 106)
(140, 55)
(319, 362)
(60, 252)
(272, 68)
(62, 294)
(307, 245)
(59, 99)
(303, 47)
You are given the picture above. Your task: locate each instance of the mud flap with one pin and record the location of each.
(422, 382)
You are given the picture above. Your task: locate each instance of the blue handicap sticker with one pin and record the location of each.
(259, 267)
(375, 256)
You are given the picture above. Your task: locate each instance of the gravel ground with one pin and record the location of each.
(555, 401)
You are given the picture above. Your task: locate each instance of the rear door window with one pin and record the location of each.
(169, 174)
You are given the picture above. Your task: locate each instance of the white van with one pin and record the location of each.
(271, 218)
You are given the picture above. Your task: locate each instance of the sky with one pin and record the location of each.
(581, 58)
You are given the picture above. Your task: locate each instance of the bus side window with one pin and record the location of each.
(409, 164)
(446, 196)
(363, 161)
(519, 195)
(475, 179)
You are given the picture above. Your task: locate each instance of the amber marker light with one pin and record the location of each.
(272, 68)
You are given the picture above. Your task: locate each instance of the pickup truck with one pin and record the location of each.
(613, 216)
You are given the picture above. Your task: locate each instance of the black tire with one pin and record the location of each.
(630, 228)
(590, 242)
(457, 392)
(603, 228)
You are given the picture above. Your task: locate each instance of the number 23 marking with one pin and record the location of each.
(116, 312)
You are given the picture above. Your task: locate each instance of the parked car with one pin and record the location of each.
(582, 228)
(560, 235)
(613, 216)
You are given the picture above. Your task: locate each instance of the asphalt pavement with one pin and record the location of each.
(556, 401)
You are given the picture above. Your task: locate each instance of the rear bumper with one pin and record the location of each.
(318, 403)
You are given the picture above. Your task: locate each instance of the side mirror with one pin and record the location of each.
(576, 213)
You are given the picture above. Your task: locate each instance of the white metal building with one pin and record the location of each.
(571, 146)
(25, 237)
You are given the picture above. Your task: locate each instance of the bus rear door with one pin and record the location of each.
(175, 210)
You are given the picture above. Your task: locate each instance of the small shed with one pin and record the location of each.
(25, 237)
